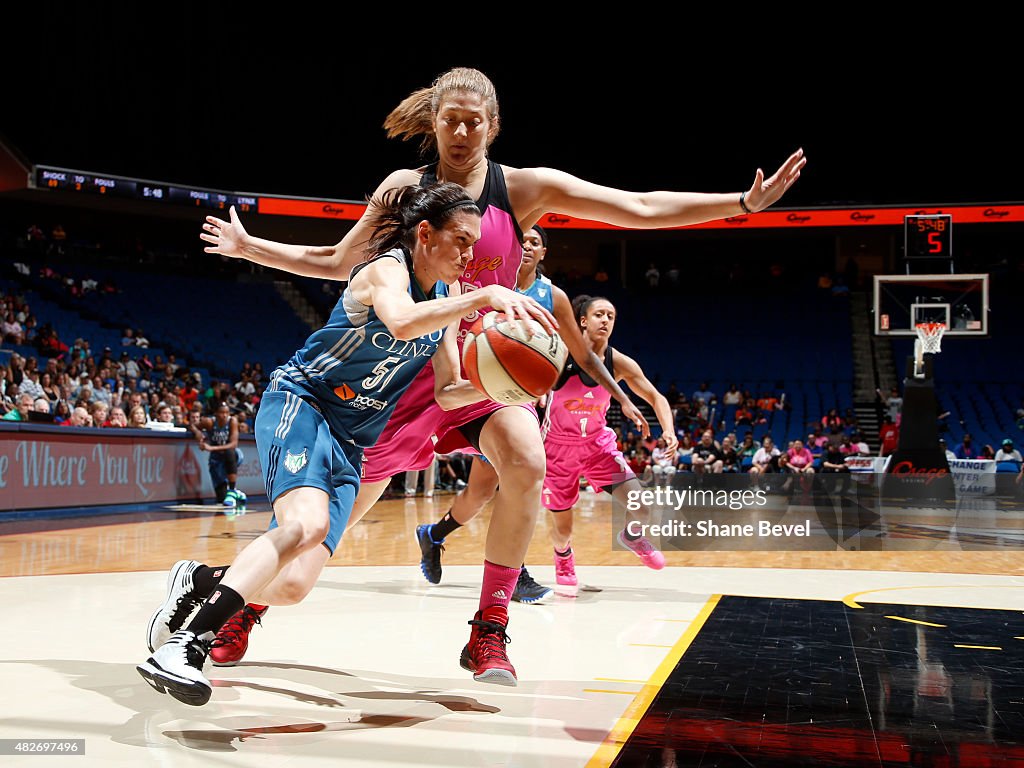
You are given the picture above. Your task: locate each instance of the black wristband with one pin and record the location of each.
(743, 202)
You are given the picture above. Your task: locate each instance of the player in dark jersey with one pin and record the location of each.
(458, 116)
(328, 402)
(219, 436)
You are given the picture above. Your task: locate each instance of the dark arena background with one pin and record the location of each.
(870, 613)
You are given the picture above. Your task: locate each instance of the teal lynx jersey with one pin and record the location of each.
(353, 370)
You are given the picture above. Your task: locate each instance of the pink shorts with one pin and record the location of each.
(408, 441)
(598, 460)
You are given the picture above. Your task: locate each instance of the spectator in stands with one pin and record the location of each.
(79, 418)
(164, 418)
(61, 412)
(987, 453)
(1008, 453)
(748, 447)
(137, 418)
(171, 367)
(128, 339)
(188, 394)
(834, 459)
(652, 276)
(30, 385)
(816, 440)
(35, 236)
(893, 403)
(706, 455)
(639, 461)
(889, 435)
(832, 421)
(732, 397)
(140, 339)
(703, 392)
(16, 368)
(728, 457)
(11, 330)
(22, 405)
(684, 448)
(800, 458)
(663, 463)
(768, 404)
(244, 387)
(50, 389)
(118, 419)
(765, 458)
(99, 411)
(101, 391)
(966, 449)
(950, 456)
(41, 405)
(58, 237)
(127, 367)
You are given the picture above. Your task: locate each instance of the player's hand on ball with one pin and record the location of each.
(227, 236)
(517, 307)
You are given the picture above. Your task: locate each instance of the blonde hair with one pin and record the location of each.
(415, 115)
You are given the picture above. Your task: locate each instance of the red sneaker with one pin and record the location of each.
(233, 639)
(484, 654)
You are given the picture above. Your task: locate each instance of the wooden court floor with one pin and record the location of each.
(365, 671)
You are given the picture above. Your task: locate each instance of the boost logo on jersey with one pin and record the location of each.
(360, 402)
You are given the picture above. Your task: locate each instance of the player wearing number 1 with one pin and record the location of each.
(578, 443)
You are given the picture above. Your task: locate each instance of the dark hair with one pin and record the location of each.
(543, 235)
(582, 303)
(399, 211)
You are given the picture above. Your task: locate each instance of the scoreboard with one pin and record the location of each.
(48, 177)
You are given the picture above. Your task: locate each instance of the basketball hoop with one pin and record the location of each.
(929, 341)
(930, 335)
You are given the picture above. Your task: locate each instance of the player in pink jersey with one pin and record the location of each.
(578, 443)
(458, 116)
(483, 480)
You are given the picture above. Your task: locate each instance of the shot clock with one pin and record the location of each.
(928, 236)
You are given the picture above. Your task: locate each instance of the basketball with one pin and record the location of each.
(508, 367)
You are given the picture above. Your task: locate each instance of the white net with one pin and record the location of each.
(930, 336)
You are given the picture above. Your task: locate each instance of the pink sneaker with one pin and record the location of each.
(565, 570)
(643, 549)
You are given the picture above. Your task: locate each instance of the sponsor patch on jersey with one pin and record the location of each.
(294, 462)
(344, 392)
(357, 401)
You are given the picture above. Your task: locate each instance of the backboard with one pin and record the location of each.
(960, 301)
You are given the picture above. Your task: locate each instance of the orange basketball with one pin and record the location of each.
(508, 366)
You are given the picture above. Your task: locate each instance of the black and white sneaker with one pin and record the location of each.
(177, 668)
(181, 601)
(528, 590)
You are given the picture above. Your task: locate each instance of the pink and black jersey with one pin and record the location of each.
(499, 251)
(419, 425)
(578, 406)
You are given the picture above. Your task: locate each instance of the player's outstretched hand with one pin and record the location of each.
(227, 236)
(765, 192)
